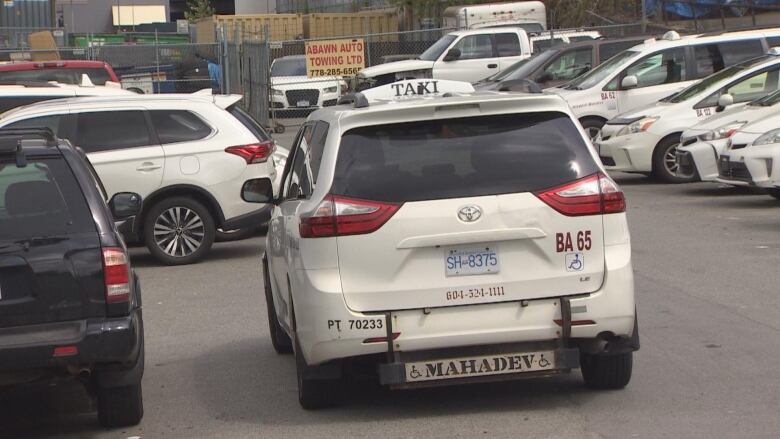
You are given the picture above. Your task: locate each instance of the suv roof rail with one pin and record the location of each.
(25, 133)
(357, 99)
(29, 83)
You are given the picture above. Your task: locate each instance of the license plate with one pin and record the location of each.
(303, 103)
(466, 367)
(471, 261)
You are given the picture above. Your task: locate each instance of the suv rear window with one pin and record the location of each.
(463, 157)
(250, 124)
(41, 200)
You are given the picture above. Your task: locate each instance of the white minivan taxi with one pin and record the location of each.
(447, 236)
(702, 144)
(646, 139)
(655, 69)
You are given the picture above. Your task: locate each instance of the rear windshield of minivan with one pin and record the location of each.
(41, 200)
(463, 157)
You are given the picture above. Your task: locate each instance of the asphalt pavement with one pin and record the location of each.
(706, 260)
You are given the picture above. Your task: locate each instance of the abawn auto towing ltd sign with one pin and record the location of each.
(335, 57)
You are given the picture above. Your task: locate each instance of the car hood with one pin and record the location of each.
(297, 82)
(747, 113)
(397, 66)
(655, 109)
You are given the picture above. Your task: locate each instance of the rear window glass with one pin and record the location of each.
(42, 199)
(98, 76)
(178, 126)
(463, 157)
(249, 122)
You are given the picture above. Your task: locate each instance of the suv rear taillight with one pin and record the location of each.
(592, 195)
(116, 272)
(253, 153)
(340, 216)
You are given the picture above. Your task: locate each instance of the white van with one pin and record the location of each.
(656, 69)
(447, 236)
(530, 13)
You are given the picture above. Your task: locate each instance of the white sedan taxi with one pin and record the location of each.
(646, 139)
(447, 236)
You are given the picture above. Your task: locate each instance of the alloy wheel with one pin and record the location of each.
(179, 231)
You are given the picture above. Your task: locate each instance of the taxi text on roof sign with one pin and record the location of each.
(417, 87)
(335, 57)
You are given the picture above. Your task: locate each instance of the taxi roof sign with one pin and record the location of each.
(416, 88)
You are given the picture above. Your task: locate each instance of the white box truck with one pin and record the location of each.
(530, 15)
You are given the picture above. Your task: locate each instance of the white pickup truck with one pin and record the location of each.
(468, 56)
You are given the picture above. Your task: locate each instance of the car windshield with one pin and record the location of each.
(434, 52)
(706, 83)
(523, 68)
(768, 100)
(601, 72)
(98, 76)
(289, 67)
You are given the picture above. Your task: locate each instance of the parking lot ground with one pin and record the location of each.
(706, 260)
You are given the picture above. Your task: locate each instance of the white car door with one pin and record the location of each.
(122, 148)
(657, 75)
(284, 250)
(508, 48)
(477, 60)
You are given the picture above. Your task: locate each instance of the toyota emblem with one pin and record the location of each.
(469, 214)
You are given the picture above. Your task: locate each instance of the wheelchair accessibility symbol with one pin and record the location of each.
(575, 261)
(414, 373)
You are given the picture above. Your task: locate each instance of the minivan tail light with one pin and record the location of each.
(592, 195)
(253, 153)
(340, 216)
(116, 272)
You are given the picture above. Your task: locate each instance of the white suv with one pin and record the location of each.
(186, 155)
(463, 237)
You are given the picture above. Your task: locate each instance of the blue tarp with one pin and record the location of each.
(703, 8)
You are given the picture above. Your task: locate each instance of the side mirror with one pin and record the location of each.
(124, 205)
(724, 101)
(452, 55)
(258, 190)
(629, 81)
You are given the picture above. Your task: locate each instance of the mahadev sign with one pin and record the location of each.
(335, 57)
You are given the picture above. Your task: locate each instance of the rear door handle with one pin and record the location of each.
(147, 166)
(492, 66)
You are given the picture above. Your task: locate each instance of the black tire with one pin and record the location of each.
(279, 339)
(162, 214)
(314, 394)
(592, 126)
(665, 167)
(279, 129)
(120, 406)
(606, 371)
(773, 192)
(235, 235)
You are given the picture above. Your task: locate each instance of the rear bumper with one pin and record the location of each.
(328, 330)
(98, 342)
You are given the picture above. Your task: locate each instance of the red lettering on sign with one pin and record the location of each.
(565, 243)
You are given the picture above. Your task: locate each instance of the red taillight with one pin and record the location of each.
(592, 195)
(65, 351)
(339, 216)
(116, 272)
(254, 153)
(380, 339)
